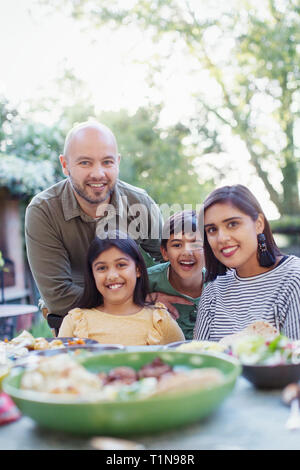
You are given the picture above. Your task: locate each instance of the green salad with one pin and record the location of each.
(256, 350)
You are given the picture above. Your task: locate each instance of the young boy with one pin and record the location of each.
(183, 272)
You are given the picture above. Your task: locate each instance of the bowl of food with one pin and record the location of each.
(26, 343)
(22, 349)
(120, 392)
(268, 364)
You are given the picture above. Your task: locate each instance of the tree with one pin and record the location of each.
(157, 159)
(30, 148)
(251, 50)
(8, 115)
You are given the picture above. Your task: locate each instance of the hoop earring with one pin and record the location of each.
(265, 258)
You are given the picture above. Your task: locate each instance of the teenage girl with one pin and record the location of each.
(113, 308)
(248, 278)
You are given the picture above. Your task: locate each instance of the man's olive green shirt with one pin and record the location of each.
(58, 234)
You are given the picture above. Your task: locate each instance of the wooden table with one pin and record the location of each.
(15, 317)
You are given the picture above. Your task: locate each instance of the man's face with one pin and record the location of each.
(92, 164)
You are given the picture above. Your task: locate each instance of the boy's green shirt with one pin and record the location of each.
(159, 282)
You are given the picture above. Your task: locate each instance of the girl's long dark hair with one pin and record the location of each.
(240, 197)
(91, 297)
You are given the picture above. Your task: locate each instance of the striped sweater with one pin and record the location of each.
(230, 303)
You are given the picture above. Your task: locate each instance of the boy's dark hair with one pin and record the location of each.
(239, 196)
(91, 297)
(180, 222)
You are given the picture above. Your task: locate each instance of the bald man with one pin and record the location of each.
(61, 221)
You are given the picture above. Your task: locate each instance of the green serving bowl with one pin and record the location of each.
(121, 418)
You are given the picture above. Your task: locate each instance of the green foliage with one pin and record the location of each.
(7, 116)
(35, 142)
(24, 178)
(156, 159)
(41, 329)
(251, 51)
(28, 153)
(29, 149)
(286, 224)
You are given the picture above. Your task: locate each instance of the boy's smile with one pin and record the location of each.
(185, 255)
(187, 265)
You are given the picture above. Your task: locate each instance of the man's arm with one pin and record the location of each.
(49, 262)
(168, 300)
(155, 222)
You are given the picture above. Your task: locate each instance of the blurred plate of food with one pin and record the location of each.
(80, 350)
(25, 343)
(196, 346)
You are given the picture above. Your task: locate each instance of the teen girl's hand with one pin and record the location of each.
(168, 301)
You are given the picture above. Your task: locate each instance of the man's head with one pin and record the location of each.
(91, 161)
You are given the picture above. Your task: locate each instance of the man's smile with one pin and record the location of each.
(97, 185)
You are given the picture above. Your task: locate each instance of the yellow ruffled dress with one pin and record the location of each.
(150, 326)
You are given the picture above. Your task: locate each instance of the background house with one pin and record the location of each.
(15, 277)
(19, 181)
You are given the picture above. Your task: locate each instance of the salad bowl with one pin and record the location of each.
(269, 364)
(139, 414)
(271, 376)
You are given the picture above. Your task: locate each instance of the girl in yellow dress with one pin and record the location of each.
(113, 307)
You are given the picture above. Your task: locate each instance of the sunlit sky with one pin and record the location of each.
(35, 48)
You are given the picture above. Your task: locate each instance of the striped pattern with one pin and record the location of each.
(231, 303)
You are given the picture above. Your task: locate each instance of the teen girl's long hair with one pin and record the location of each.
(91, 297)
(239, 196)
